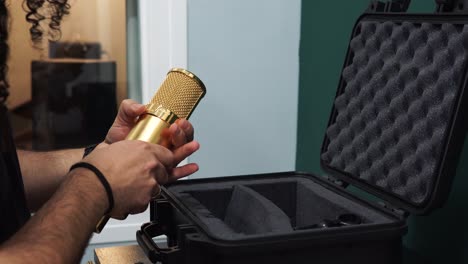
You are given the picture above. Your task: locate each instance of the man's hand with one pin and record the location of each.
(179, 136)
(134, 169)
(126, 118)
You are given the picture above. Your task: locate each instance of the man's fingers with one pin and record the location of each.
(180, 154)
(162, 154)
(120, 217)
(128, 111)
(183, 171)
(178, 136)
(139, 209)
(184, 151)
(187, 128)
(181, 132)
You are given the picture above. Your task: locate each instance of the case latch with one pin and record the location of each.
(389, 6)
(452, 6)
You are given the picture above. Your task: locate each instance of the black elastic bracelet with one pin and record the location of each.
(103, 180)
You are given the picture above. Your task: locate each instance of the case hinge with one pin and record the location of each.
(397, 211)
(451, 6)
(389, 6)
(335, 181)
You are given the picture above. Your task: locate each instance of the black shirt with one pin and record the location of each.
(13, 210)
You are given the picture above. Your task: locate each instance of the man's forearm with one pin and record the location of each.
(44, 171)
(60, 230)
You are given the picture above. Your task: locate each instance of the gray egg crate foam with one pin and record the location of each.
(393, 113)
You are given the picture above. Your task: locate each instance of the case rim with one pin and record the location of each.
(187, 235)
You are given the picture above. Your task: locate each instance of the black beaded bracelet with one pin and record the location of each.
(101, 178)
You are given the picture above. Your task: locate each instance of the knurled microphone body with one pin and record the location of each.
(177, 97)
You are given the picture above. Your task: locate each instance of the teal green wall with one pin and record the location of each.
(325, 30)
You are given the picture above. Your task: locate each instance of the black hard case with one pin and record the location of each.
(420, 184)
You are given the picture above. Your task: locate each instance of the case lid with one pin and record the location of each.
(398, 121)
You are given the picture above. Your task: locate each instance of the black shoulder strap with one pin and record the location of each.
(13, 204)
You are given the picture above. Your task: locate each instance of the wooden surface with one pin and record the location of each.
(120, 255)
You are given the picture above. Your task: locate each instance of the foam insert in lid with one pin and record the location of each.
(393, 112)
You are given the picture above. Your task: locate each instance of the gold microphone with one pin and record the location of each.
(177, 97)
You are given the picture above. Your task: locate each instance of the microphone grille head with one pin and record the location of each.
(180, 92)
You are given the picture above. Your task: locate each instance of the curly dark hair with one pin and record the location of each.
(58, 9)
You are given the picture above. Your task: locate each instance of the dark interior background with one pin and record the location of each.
(326, 27)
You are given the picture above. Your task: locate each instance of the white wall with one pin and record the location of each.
(247, 54)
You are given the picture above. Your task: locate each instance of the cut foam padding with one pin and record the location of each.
(253, 208)
(249, 212)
